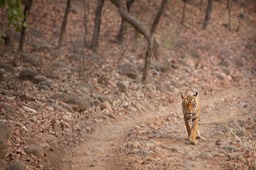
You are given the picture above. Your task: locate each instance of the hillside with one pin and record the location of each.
(69, 108)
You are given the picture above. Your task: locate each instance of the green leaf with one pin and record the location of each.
(2, 3)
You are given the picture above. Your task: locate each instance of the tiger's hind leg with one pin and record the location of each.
(199, 135)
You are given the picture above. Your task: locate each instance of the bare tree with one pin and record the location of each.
(27, 7)
(229, 2)
(207, 14)
(96, 32)
(148, 33)
(122, 26)
(64, 23)
(86, 12)
(184, 12)
(201, 4)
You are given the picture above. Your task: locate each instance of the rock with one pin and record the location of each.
(159, 66)
(192, 155)
(144, 152)
(100, 96)
(190, 62)
(47, 83)
(34, 149)
(241, 132)
(218, 142)
(240, 62)
(30, 59)
(128, 70)
(163, 88)
(3, 163)
(17, 165)
(74, 10)
(108, 113)
(254, 165)
(241, 15)
(95, 58)
(235, 155)
(7, 67)
(67, 117)
(87, 87)
(58, 107)
(2, 72)
(43, 87)
(106, 105)
(189, 164)
(39, 78)
(27, 74)
(226, 130)
(174, 63)
(81, 103)
(122, 87)
(10, 38)
(177, 149)
(43, 46)
(230, 148)
(253, 70)
(220, 75)
(206, 155)
(4, 137)
(8, 109)
(36, 33)
(224, 63)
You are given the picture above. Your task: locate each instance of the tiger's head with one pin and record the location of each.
(190, 105)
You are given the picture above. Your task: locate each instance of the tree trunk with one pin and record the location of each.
(208, 14)
(86, 12)
(148, 33)
(122, 26)
(96, 32)
(229, 2)
(184, 12)
(64, 23)
(28, 5)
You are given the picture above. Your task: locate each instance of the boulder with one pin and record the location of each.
(30, 59)
(100, 96)
(87, 87)
(27, 74)
(7, 67)
(106, 105)
(47, 83)
(159, 66)
(34, 149)
(81, 104)
(39, 78)
(17, 165)
(4, 137)
(122, 87)
(129, 70)
(3, 163)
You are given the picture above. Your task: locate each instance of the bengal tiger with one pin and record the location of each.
(191, 113)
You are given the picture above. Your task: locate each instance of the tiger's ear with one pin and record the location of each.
(182, 96)
(196, 94)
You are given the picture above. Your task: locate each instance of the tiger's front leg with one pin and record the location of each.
(187, 126)
(194, 132)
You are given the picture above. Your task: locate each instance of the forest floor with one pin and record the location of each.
(72, 109)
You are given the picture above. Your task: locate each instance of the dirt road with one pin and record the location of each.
(158, 140)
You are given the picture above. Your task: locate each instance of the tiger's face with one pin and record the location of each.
(190, 105)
